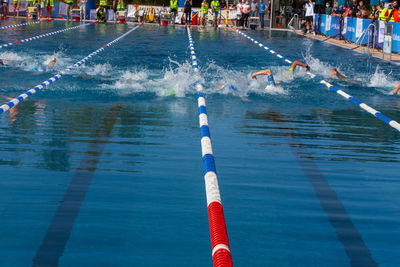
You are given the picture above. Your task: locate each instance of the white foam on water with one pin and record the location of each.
(384, 83)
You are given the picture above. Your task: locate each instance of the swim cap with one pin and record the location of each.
(170, 92)
(232, 88)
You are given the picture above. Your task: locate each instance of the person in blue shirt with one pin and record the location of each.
(263, 9)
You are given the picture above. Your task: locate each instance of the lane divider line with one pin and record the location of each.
(23, 24)
(12, 103)
(45, 35)
(332, 88)
(221, 253)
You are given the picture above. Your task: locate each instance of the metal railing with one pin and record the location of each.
(367, 32)
(295, 20)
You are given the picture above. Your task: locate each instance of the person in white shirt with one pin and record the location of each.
(246, 13)
(310, 16)
(82, 6)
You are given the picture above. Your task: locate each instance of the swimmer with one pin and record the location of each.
(396, 89)
(334, 72)
(1, 62)
(52, 62)
(47, 68)
(298, 63)
(270, 77)
(231, 88)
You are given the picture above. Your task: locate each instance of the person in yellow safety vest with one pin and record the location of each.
(203, 12)
(384, 13)
(104, 6)
(17, 5)
(393, 15)
(215, 10)
(49, 7)
(70, 5)
(121, 5)
(173, 4)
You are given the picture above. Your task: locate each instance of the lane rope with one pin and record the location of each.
(12, 103)
(23, 24)
(331, 87)
(45, 35)
(221, 253)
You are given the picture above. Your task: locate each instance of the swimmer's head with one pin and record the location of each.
(53, 59)
(307, 68)
(1, 62)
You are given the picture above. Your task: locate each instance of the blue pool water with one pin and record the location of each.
(306, 177)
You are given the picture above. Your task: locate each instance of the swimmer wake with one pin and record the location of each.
(51, 80)
(45, 35)
(331, 87)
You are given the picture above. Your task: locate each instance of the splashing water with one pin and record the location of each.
(381, 80)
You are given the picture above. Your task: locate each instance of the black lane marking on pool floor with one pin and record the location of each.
(351, 239)
(63, 221)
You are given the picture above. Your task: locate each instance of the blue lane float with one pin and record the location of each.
(12, 103)
(221, 253)
(45, 35)
(331, 87)
(24, 24)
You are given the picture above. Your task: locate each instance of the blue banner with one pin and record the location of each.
(355, 29)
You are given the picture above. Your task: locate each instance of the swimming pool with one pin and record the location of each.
(305, 176)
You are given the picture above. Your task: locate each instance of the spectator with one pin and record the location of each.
(223, 4)
(239, 8)
(215, 10)
(263, 9)
(246, 13)
(17, 5)
(42, 5)
(173, 5)
(362, 10)
(203, 12)
(353, 9)
(49, 7)
(115, 9)
(188, 11)
(269, 6)
(394, 14)
(254, 8)
(347, 11)
(374, 13)
(4, 8)
(328, 9)
(101, 17)
(339, 11)
(310, 16)
(70, 4)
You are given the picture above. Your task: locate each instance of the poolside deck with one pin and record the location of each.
(349, 45)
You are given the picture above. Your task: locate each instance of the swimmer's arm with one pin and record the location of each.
(6, 98)
(396, 89)
(261, 72)
(298, 63)
(339, 75)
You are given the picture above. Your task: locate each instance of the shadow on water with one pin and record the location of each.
(351, 239)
